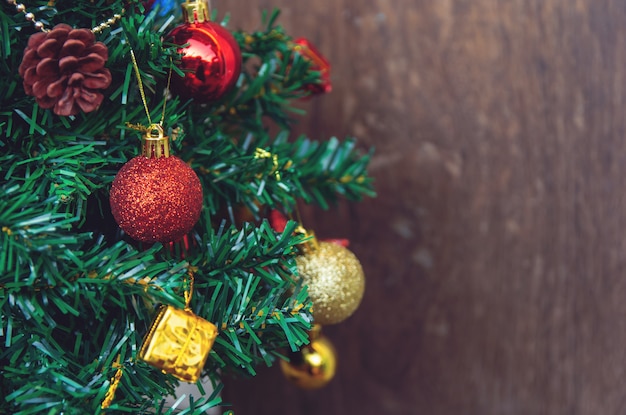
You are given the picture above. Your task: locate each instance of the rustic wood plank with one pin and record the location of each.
(495, 252)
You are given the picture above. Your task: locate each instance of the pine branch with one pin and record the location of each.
(316, 172)
(274, 75)
(247, 275)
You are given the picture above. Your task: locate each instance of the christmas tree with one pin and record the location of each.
(142, 155)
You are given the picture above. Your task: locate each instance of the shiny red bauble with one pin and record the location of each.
(156, 199)
(318, 63)
(211, 61)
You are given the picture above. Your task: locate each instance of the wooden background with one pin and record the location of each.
(495, 254)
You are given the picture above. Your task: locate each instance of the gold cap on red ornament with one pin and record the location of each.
(155, 143)
(195, 11)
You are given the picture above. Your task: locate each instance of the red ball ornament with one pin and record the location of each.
(156, 197)
(212, 59)
(318, 63)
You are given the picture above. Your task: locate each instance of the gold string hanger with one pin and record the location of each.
(144, 100)
(155, 143)
(188, 292)
(311, 243)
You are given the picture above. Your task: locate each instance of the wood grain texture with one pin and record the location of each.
(495, 254)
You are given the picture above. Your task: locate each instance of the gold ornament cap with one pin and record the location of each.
(195, 11)
(178, 343)
(155, 143)
(311, 244)
(313, 366)
(335, 281)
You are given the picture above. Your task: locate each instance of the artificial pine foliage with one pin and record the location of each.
(76, 294)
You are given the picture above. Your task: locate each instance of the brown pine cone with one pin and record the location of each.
(64, 69)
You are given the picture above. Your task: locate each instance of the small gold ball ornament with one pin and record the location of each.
(313, 366)
(335, 281)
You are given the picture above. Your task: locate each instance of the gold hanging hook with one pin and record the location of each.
(155, 143)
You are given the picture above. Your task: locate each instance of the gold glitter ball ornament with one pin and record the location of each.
(313, 366)
(335, 281)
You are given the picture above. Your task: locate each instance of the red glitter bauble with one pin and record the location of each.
(156, 199)
(211, 62)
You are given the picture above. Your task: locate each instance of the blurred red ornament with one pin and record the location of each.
(318, 63)
(211, 61)
(147, 5)
(278, 221)
(181, 247)
(338, 241)
(156, 197)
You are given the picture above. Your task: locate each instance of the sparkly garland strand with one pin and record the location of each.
(29, 16)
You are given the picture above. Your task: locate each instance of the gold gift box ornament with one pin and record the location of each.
(178, 342)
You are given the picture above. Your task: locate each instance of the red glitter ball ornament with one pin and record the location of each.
(212, 59)
(156, 197)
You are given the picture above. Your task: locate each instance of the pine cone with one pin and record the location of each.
(64, 69)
